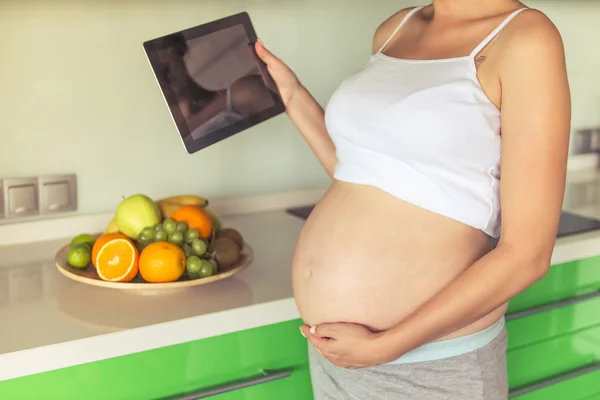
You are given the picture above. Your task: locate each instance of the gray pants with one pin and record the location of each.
(477, 375)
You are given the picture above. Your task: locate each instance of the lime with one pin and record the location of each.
(79, 256)
(199, 247)
(181, 226)
(176, 238)
(169, 226)
(192, 234)
(206, 269)
(84, 238)
(160, 236)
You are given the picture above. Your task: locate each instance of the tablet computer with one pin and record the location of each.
(212, 80)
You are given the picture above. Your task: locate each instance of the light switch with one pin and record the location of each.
(58, 193)
(20, 197)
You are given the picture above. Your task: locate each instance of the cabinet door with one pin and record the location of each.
(581, 384)
(266, 385)
(563, 281)
(554, 340)
(176, 371)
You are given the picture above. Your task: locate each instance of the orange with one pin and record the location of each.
(162, 262)
(196, 218)
(117, 260)
(102, 240)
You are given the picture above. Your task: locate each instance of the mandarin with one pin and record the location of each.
(196, 218)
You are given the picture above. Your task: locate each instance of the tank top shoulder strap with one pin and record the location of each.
(495, 32)
(400, 25)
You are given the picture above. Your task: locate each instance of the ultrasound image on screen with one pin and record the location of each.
(216, 80)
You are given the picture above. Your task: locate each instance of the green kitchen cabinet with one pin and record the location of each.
(276, 354)
(582, 387)
(563, 281)
(554, 335)
(553, 343)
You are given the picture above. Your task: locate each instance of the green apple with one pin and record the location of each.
(135, 213)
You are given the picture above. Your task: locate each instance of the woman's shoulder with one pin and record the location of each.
(531, 24)
(387, 27)
(532, 33)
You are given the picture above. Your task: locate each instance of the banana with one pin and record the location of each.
(169, 205)
(186, 199)
(112, 227)
(168, 209)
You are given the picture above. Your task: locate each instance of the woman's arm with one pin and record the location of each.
(535, 139)
(251, 95)
(302, 108)
(309, 118)
(536, 121)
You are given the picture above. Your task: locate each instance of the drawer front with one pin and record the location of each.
(563, 281)
(582, 384)
(188, 368)
(268, 385)
(563, 338)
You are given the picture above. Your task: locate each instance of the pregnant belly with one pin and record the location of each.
(366, 257)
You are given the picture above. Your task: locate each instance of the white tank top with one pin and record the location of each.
(423, 131)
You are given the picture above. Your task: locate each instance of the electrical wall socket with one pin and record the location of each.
(20, 197)
(32, 196)
(586, 141)
(58, 193)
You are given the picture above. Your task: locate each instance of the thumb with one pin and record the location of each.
(325, 331)
(266, 55)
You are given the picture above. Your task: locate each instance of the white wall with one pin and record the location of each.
(78, 95)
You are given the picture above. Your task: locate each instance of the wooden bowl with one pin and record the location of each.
(89, 276)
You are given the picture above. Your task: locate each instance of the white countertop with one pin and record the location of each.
(50, 322)
(40, 308)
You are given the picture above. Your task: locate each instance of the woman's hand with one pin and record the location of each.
(349, 346)
(285, 79)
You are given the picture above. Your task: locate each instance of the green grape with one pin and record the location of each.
(181, 226)
(191, 235)
(199, 247)
(160, 236)
(147, 235)
(176, 238)
(193, 266)
(206, 269)
(169, 226)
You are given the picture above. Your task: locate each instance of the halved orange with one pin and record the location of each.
(117, 260)
(101, 241)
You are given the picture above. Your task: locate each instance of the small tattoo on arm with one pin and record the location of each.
(479, 59)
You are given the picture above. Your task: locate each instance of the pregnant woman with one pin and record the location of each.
(462, 110)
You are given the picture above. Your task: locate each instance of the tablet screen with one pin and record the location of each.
(213, 82)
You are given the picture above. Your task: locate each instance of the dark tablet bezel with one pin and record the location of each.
(193, 145)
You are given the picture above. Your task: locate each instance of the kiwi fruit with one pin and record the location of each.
(227, 252)
(233, 234)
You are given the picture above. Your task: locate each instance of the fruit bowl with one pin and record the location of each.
(89, 276)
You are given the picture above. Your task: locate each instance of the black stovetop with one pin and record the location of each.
(570, 224)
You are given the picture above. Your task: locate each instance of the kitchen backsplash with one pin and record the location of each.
(78, 95)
